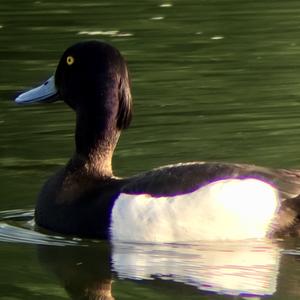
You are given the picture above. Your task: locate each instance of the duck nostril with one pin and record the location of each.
(46, 82)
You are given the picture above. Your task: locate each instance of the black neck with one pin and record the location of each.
(96, 138)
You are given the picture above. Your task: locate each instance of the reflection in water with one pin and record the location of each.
(86, 268)
(84, 272)
(247, 268)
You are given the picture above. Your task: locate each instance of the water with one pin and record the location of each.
(212, 80)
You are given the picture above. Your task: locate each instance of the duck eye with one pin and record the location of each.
(70, 60)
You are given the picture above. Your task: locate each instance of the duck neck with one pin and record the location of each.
(96, 138)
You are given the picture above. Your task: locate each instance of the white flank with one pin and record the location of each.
(230, 209)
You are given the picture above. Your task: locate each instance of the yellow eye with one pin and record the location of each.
(70, 60)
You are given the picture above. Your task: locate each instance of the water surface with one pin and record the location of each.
(212, 80)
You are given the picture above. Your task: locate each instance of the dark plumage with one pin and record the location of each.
(92, 78)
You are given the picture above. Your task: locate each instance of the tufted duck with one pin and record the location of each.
(175, 203)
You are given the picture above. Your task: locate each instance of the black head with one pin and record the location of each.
(91, 78)
(92, 72)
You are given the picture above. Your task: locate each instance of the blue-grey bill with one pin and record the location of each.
(42, 93)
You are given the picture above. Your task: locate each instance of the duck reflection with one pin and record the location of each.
(84, 271)
(243, 269)
(249, 268)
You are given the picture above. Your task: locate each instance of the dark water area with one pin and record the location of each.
(212, 80)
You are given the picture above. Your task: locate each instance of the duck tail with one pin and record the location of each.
(289, 218)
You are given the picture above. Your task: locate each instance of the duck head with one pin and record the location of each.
(91, 75)
(92, 78)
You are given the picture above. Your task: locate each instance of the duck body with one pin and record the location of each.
(176, 203)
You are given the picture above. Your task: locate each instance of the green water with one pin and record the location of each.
(214, 80)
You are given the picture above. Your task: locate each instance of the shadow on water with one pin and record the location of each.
(87, 268)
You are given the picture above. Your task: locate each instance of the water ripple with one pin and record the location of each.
(17, 226)
(112, 33)
(293, 252)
